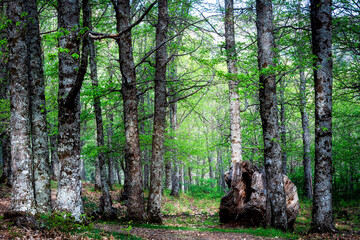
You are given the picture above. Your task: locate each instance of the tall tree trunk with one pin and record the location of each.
(221, 177)
(175, 173)
(110, 134)
(168, 167)
(135, 203)
(69, 186)
(4, 96)
(321, 16)
(283, 126)
(269, 116)
(235, 127)
(40, 150)
(210, 161)
(156, 170)
(234, 102)
(144, 152)
(305, 137)
(105, 207)
(118, 174)
(22, 199)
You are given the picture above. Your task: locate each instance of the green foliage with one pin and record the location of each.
(206, 189)
(65, 222)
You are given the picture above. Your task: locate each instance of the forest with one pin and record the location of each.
(179, 119)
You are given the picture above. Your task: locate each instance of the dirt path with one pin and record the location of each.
(167, 234)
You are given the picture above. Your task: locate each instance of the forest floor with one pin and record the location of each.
(187, 217)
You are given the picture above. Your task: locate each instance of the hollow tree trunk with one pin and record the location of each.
(22, 197)
(322, 215)
(269, 116)
(250, 209)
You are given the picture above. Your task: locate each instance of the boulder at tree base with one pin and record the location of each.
(245, 203)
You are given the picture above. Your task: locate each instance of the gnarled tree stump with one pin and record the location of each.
(245, 204)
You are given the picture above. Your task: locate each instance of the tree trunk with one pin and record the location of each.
(40, 151)
(322, 215)
(210, 160)
(234, 102)
(118, 172)
(135, 203)
(156, 170)
(22, 199)
(235, 128)
(69, 186)
(168, 166)
(269, 116)
(221, 177)
(305, 137)
(251, 207)
(283, 126)
(110, 133)
(175, 173)
(144, 152)
(106, 209)
(4, 96)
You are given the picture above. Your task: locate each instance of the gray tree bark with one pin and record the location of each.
(321, 31)
(269, 115)
(283, 126)
(22, 198)
(156, 170)
(305, 137)
(175, 179)
(135, 203)
(235, 127)
(69, 186)
(105, 207)
(110, 134)
(39, 136)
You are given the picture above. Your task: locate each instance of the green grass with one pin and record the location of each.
(99, 234)
(268, 232)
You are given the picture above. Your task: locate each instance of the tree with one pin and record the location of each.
(4, 98)
(235, 128)
(135, 203)
(154, 204)
(22, 198)
(321, 16)
(105, 207)
(39, 136)
(269, 115)
(71, 75)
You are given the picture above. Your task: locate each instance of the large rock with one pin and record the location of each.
(245, 203)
